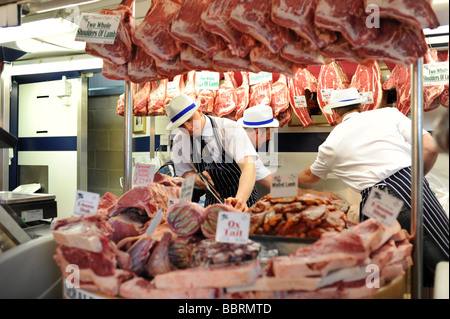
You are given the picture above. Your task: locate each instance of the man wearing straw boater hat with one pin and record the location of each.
(218, 148)
(372, 149)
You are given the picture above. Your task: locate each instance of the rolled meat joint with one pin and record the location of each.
(185, 218)
(210, 215)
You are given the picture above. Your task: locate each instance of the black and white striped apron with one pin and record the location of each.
(225, 173)
(435, 220)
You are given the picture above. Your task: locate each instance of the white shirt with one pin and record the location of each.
(366, 148)
(261, 170)
(235, 141)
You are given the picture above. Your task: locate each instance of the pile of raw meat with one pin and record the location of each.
(305, 216)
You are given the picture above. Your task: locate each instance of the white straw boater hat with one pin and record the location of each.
(179, 110)
(340, 98)
(258, 116)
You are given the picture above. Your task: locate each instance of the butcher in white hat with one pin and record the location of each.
(372, 150)
(221, 151)
(258, 122)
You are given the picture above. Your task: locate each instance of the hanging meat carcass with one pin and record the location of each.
(215, 19)
(153, 33)
(156, 99)
(194, 59)
(280, 96)
(225, 61)
(121, 51)
(174, 88)
(367, 80)
(140, 99)
(242, 96)
(298, 15)
(265, 60)
(253, 17)
(226, 99)
(400, 79)
(189, 88)
(187, 28)
(331, 77)
(300, 95)
(142, 67)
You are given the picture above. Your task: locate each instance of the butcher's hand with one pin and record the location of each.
(199, 181)
(237, 203)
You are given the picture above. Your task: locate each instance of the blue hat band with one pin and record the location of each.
(187, 109)
(348, 100)
(258, 123)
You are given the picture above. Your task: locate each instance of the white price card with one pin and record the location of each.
(368, 96)
(435, 73)
(382, 207)
(207, 80)
(300, 101)
(233, 227)
(326, 94)
(143, 174)
(284, 185)
(187, 188)
(86, 203)
(98, 28)
(261, 77)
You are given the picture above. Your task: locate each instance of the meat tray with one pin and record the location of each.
(283, 245)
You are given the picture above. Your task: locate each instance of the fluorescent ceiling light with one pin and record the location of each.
(51, 5)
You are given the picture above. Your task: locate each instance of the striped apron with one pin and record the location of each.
(435, 220)
(225, 173)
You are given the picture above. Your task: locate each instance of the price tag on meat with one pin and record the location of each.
(86, 203)
(300, 101)
(187, 188)
(326, 94)
(98, 28)
(382, 207)
(207, 80)
(284, 185)
(143, 174)
(233, 227)
(260, 77)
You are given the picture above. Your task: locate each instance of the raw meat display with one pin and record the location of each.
(210, 216)
(400, 79)
(153, 33)
(280, 96)
(368, 79)
(242, 95)
(157, 98)
(120, 107)
(253, 17)
(174, 88)
(215, 19)
(277, 36)
(300, 95)
(208, 252)
(115, 71)
(263, 59)
(299, 16)
(347, 17)
(339, 260)
(302, 216)
(189, 88)
(286, 116)
(185, 218)
(187, 28)
(331, 77)
(166, 265)
(226, 99)
(142, 68)
(260, 94)
(140, 99)
(121, 51)
(416, 13)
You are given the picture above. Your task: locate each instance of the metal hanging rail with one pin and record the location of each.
(417, 177)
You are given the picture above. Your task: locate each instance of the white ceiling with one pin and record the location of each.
(57, 38)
